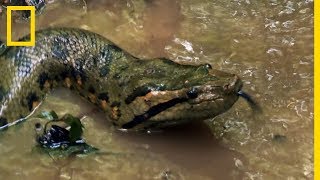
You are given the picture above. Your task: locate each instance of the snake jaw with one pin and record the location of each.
(163, 108)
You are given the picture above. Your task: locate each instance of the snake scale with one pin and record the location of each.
(133, 93)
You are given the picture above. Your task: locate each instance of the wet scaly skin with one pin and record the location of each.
(134, 93)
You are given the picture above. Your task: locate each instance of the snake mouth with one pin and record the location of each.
(236, 87)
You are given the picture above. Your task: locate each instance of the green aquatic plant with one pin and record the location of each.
(62, 136)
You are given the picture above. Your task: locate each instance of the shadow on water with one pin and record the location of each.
(191, 146)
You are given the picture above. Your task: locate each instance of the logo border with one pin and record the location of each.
(32, 10)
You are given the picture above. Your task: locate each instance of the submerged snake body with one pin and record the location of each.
(134, 93)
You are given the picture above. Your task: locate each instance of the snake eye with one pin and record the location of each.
(208, 66)
(192, 94)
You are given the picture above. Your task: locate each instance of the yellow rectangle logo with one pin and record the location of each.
(32, 10)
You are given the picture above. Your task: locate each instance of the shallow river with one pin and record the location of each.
(269, 44)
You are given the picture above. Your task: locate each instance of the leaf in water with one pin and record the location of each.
(78, 150)
(76, 130)
(87, 149)
(51, 116)
(54, 115)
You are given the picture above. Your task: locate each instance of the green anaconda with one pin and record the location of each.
(134, 93)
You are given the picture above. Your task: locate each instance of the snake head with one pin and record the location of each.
(161, 93)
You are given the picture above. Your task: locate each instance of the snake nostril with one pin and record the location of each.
(225, 87)
(234, 85)
(193, 93)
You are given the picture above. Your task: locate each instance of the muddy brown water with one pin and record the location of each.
(269, 44)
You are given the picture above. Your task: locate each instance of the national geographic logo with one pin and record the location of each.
(32, 10)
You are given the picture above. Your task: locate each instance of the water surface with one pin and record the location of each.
(269, 44)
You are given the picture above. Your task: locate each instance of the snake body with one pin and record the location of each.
(134, 93)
